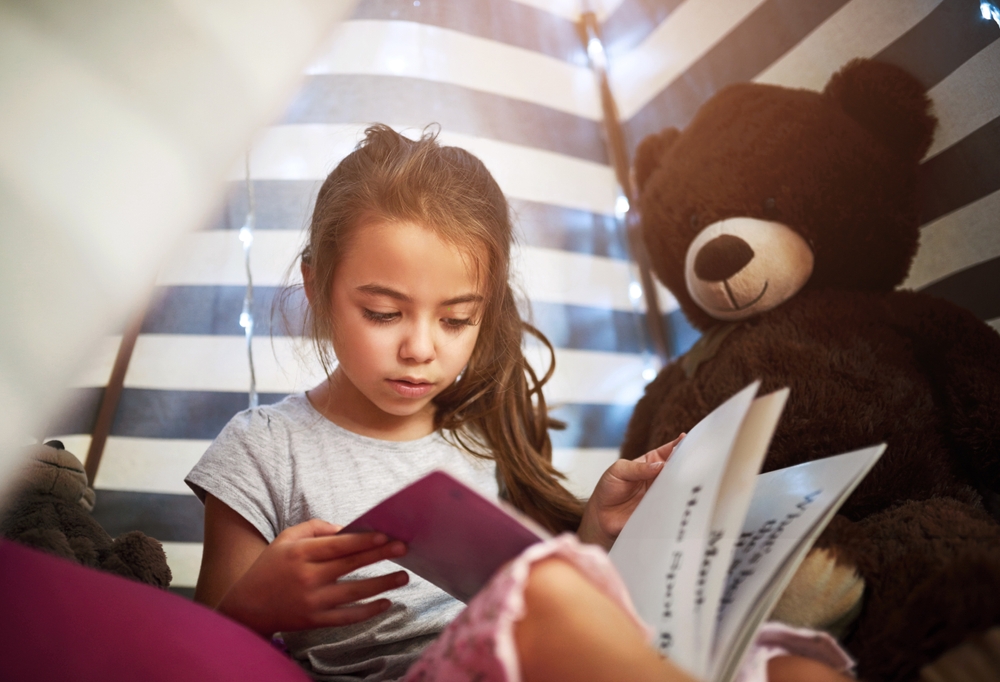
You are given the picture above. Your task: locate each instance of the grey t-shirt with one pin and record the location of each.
(283, 464)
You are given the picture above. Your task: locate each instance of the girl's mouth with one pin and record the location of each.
(411, 389)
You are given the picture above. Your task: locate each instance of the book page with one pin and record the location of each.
(660, 549)
(735, 493)
(789, 509)
(455, 537)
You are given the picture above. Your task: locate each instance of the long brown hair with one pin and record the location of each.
(496, 409)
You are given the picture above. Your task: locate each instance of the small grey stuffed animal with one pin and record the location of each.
(49, 509)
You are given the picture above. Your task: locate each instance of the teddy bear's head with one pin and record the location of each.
(770, 190)
(53, 470)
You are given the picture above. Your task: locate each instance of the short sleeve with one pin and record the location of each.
(247, 468)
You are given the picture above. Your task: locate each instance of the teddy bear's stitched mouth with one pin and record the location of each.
(732, 298)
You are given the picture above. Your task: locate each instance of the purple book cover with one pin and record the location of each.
(456, 538)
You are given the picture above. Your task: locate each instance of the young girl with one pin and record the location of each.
(406, 273)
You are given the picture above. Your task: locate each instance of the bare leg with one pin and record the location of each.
(573, 632)
(794, 668)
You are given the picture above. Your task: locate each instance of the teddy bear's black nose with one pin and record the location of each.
(721, 258)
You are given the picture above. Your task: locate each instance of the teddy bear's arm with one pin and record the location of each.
(962, 356)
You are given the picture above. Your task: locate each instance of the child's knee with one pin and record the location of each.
(552, 594)
(572, 630)
(553, 577)
(560, 596)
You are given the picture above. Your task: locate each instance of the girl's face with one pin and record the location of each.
(405, 306)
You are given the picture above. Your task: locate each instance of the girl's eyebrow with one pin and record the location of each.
(467, 298)
(379, 290)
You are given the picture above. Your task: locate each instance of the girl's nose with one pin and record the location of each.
(418, 345)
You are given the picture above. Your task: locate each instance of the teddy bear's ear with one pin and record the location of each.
(889, 102)
(650, 152)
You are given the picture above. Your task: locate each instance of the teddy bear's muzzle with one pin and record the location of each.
(739, 267)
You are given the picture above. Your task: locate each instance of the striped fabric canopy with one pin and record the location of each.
(511, 81)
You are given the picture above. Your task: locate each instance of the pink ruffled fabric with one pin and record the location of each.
(479, 644)
(777, 639)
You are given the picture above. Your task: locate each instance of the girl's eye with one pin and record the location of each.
(379, 318)
(457, 323)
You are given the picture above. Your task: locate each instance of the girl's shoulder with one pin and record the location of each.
(260, 439)
(290, 413)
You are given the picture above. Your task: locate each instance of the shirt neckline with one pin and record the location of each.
(304, 403)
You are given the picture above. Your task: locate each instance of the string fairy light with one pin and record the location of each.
(246, 316)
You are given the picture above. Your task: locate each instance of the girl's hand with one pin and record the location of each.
(618, 492)
(294, 584)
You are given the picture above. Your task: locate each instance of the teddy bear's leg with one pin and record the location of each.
(932, 574)
(953, 605)
(977, 659)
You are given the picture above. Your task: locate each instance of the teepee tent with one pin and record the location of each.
(553, 95)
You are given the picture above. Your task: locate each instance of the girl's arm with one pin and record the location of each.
(618, 493)
(231, 545)
(292, 583)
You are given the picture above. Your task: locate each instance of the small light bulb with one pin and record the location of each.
(621, 206)
(246, 235)
(635, 291)
(595, 50)
(990, 11)
(244, 320)
(649, 374)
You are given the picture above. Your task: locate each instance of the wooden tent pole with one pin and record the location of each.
(112, 396)
(618, 152)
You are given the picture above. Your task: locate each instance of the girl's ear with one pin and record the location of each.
(307, 280)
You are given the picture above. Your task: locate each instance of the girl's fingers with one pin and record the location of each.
(336, 546)
(662, 453)
(635, 470)
(335, 567)
(313, 528)
(347, 592)
(348, 615)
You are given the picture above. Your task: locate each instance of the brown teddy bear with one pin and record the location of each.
(50, 510)
(783, 220)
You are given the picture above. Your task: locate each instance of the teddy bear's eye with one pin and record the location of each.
(770, 206)
(694, 220)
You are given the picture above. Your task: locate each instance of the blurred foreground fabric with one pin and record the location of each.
(119, 123)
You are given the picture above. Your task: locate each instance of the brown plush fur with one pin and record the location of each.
(865, 363)
(45, 512)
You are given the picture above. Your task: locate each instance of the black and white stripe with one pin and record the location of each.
(508, 79)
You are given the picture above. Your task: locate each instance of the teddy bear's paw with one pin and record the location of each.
(823, 594)
(136, 555)
(977, 659)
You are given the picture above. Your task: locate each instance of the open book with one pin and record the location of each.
(705, 555)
